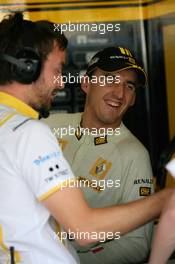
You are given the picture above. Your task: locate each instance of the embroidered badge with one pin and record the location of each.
(100, 168)
(62, 143)
(100, 140)
(144, 191)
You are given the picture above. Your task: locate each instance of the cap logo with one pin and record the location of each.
(132, 60)
(138, 67)
(125, 51)
(118, 57)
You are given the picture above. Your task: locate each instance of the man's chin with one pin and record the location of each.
(113, 122)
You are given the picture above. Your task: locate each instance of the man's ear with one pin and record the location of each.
(133, 100)
(85, 83)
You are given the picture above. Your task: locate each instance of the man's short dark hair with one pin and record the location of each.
(12, 31)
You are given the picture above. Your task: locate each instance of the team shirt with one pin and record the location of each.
(32, 168)
(112, 169)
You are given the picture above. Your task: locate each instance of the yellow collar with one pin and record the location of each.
(18, 105)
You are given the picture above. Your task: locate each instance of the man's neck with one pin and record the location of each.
(14, 90)
(91, 122)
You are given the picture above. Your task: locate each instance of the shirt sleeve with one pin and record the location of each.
(138, 184)
(42, 163)
(124, 250)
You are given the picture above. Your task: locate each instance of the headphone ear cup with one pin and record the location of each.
(31, 69)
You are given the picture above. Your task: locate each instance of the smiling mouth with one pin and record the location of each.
(113, 103)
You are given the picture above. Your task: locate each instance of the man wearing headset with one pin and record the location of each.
(35, 179)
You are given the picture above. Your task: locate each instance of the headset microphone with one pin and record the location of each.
(43, 113)
(19, 63)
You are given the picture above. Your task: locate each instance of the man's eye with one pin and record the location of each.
(110, 79)
(131, 87)
(59, 70)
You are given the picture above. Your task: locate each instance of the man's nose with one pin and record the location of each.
(61, 83)
(119, 90)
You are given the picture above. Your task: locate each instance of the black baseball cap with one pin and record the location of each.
(116, 59)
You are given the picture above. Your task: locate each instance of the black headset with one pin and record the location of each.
(26, 64)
